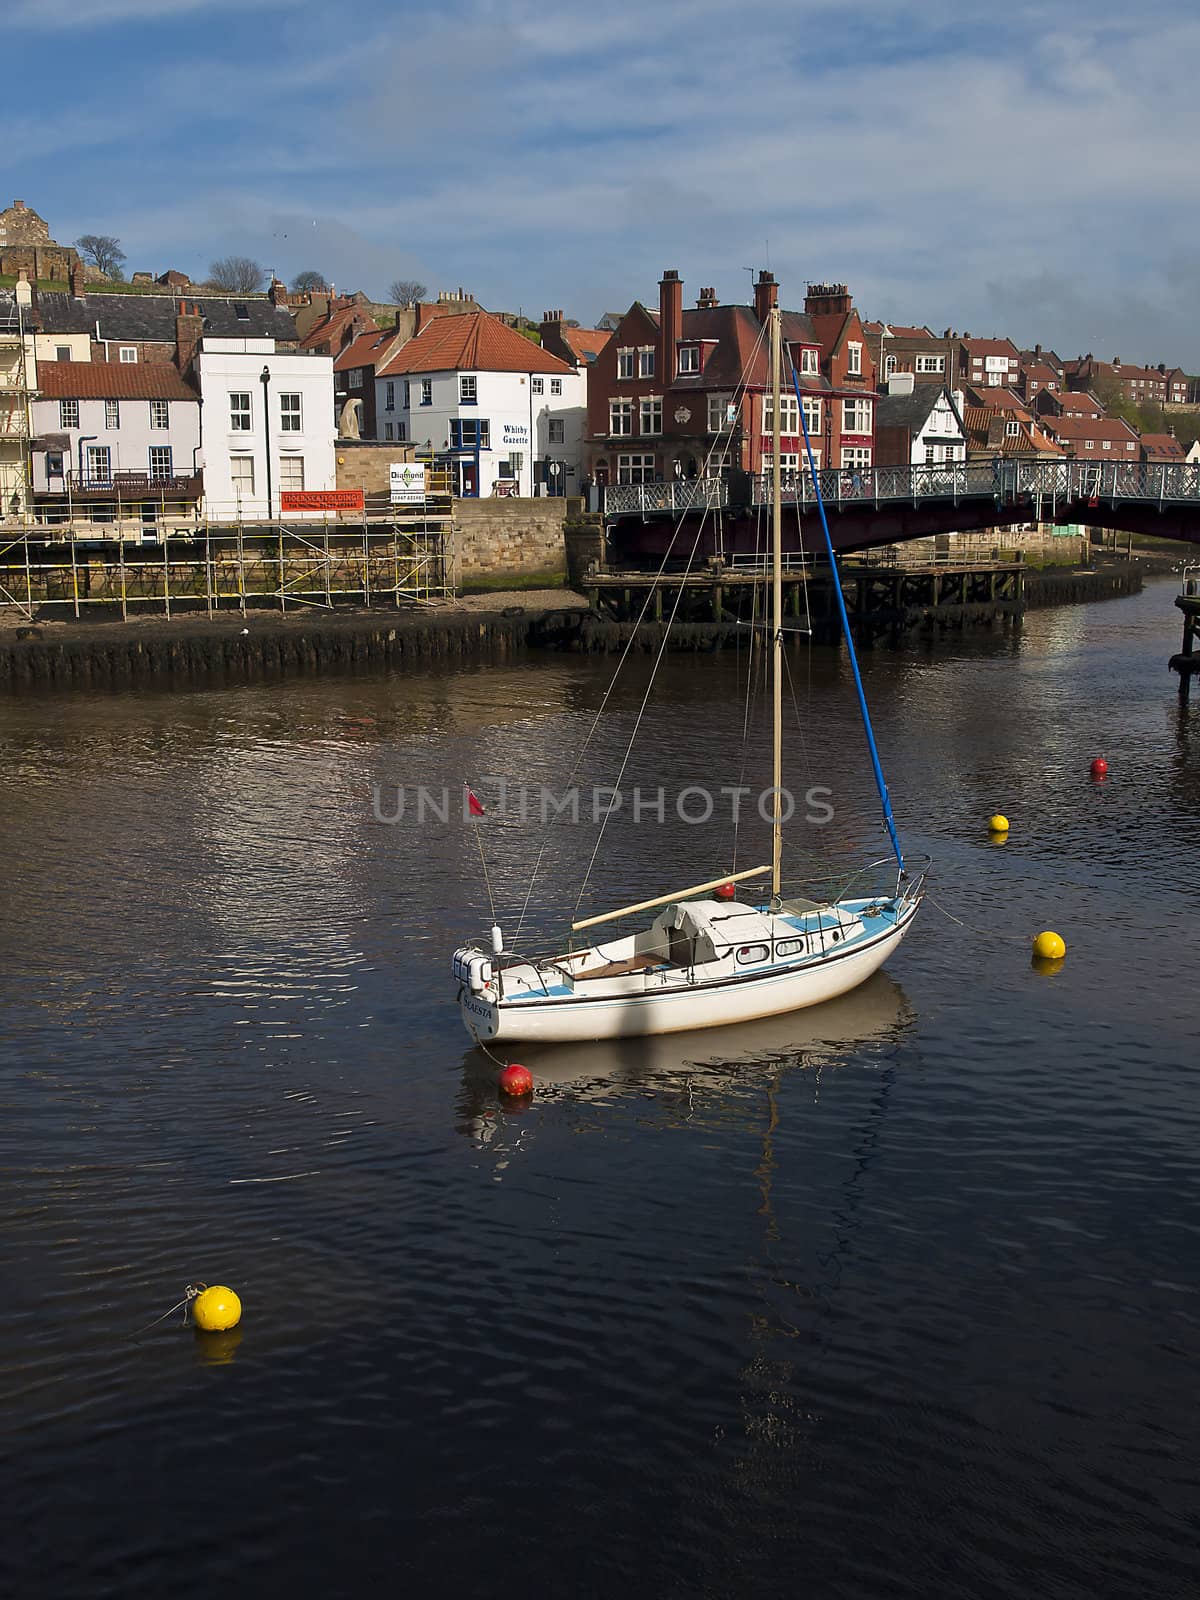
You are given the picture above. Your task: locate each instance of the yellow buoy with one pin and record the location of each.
(216, 1309)
(998, 824)
(1050, 946)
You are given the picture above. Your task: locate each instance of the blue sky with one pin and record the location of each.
(1021, 169)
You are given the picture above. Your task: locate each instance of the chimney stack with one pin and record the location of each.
(670, 323)
(189, 330)
(78, 281)
(277, 294)
(707, 300)
(766, 295)
(827, 299)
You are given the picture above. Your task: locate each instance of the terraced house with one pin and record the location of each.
(684, 393)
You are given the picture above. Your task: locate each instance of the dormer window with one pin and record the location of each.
(1012, 430)
(689, 360)
(242, 313)
(854, 360)
(809, 363)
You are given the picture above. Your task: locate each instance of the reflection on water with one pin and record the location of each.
(898, 1293)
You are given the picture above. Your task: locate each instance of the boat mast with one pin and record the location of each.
(776, 609)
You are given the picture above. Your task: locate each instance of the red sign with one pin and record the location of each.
(321, 500)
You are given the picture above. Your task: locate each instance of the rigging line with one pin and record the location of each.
(880, 784)
(641, 713)
(483, 863)
(739, 391)
(755, 661)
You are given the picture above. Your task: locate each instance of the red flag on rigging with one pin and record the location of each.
(474, 808)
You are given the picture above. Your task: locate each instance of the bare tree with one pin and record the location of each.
(405, 291)
(103, 251)
(240, 274)
(306, 282)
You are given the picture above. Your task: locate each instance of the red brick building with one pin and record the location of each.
(1094, 438)
(685, 392)
(1159, 385)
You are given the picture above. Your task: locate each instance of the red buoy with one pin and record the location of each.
(1099, 767)
(726, 891)
(516, 1080)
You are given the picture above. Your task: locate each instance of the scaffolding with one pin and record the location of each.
(16, 394)
(382, 559)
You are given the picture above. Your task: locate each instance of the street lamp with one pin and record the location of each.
(264, 378)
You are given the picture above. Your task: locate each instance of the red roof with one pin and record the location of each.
(1075, 428)
(112, 380)
(1075, 403)
(1161, 447)
(363, 351)
(587, 343)
(474, 342)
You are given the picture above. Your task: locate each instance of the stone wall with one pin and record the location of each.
(500, 538)
(363, 464)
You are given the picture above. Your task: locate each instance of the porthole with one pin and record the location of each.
(789, 947)
(748, 954)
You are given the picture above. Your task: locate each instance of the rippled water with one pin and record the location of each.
(895, 1297)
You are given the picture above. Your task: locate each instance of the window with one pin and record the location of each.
(242, 313)
(555, 385)
(856, 416)
(407, 394)
(789, 947)
(291, 474)
(62, 352)
(556, 431)
(889, 366)
(516, 460)
(995, 379)
(112, 413)
(789, 416)
(646, 361)
(689, 359)
(812, 416)
(1107, 444)
(620, 416)
(747, 954)
(54, 463)
(719, 407)
(289, 413)
(426, 391)
(810, 361)
(1089, 444)
(537, 385)
(402, 430)
(1012, 430)
(354, 377)
(389, 397)
(387, 430)
(1129, 446)
(160, 414)
(931, 364)
(635, 469)
(68, 413)
(854, 360)
(239, 411)
(470, 433)
(625, 366)
(241, 473)
(789, 464)
(128, 355)
(652, 414)
(160, 463)
(99, 463)
(854, 456)
(468, 390)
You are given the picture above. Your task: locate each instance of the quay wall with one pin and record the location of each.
(503, 538)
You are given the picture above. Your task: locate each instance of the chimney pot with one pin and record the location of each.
(670, 323)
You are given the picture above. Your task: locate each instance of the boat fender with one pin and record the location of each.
(479, 974)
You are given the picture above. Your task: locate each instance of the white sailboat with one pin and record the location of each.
(708, 958)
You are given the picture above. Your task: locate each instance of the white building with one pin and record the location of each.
(110, 440)
(505, 415)
(274, 436)
(918, 425)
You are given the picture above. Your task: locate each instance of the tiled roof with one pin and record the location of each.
(740, 354)
(983, 429)
(364, 350)
(1161, 447)
(331, 328)
(907, 410)
(896, 330)
(999, 399)
(1039, 372)
(1079, 403)
(586, 343)
(989, 347)
(1075, 428)
(112, 380)
(150, 318)
(474, 342)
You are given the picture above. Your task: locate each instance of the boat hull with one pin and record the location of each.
(712, 1005)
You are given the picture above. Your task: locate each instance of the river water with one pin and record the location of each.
(894, 1297)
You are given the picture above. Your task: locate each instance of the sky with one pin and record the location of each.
(1019, 169)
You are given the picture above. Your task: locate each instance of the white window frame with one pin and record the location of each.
(626, 364)
(810, 362)
(426, 391)
(556, 386)
(812, 415)
(468, 389)
(127, 355)
(854, 366)
(859, 408)
(537, 385)
(651, 414)
(389, 395)
(112, 414)
(689, 360)
(241, 411)
(291, 481)
(789, 416)
(354, 378)
(856, 457)
(243, 485)
(718, 413)
(290, 416)
(636, 467)
(160, 415)
(620, 419)
(157, 475)
(928, 363)
(645, 361)
(556, 430)
(98, 453)
(68, 413)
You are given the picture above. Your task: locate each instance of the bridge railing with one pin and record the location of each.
(685, 494)
(1002, 480)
